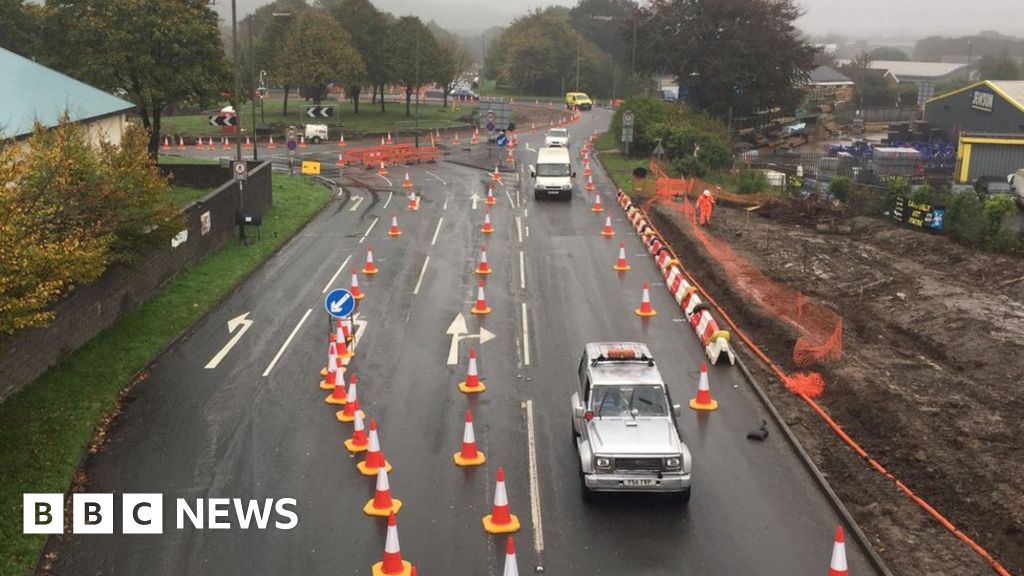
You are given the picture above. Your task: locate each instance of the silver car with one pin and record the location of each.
(557, 137)
(623, 424)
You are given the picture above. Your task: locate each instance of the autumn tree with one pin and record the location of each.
(415, 58)
(314, 65)
(739, 55)
(367, 29)
(156, 53)
(453, 60)
(68, 209)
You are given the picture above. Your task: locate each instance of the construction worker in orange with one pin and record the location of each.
(705, 204)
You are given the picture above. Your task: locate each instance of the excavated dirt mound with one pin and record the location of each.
(931, 382)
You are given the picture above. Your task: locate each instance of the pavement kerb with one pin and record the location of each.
(639, 222)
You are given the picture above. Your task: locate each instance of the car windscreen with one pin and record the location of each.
(553, 170)
(558, 133)
(619, 401)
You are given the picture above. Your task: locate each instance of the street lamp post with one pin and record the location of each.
(235, 94)
(579, 42)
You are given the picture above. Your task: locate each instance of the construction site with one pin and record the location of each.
(900, 360)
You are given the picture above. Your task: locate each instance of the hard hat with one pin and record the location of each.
(707, 192)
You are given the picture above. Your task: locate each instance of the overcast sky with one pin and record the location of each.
(913, 18)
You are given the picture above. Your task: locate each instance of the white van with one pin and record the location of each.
(1016, 181)
(552, 177)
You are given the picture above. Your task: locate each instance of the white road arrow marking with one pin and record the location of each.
(475, 199)
(336, 306)
(356, 201)
(458, 331)
(358, 331)
(239, 321)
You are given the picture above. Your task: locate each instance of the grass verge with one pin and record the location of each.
(620, 169)
(173, 159)
(182, 196)
(46, 428)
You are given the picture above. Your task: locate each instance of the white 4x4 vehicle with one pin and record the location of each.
(557, 137)
(623, 424)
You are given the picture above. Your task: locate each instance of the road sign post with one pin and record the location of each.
(628, 120)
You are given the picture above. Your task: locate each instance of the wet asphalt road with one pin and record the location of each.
(245, 430)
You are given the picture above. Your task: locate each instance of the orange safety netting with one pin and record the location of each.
(819, 329)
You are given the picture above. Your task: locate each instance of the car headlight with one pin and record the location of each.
(673, 463)
(602, 462)
(566, 186)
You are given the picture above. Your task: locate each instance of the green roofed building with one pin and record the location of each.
(34, 93)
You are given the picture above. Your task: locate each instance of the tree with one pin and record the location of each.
(876, 90)
(998, 67)
(733, 55)
(454, 59)
(415, 58)
(19, 26)
(157, 53)
(887, 53)
(68, 210)
(314, 65)
(607, 24)
(269, 34)
(367, 27)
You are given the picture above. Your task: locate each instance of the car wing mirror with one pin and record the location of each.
(577, 410)
(677, 410)
(573, 174)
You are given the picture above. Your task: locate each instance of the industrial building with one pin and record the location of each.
(988, 155)
(991, 106)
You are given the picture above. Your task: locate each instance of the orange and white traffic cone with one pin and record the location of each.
(374, 459)
(394, 232)
(344, 353)
(590, 184)
(341, 141)
(472, 383)
(382, 504)
(209, 144)
(487, 227)
(167, 144)
(383, 169)
(389, 141)
(225, 144)
(586, 167)
(491, 200)
(703, 399)
(837, 567)
(369, 268)
(501, 520)
(271, 145)
(333, 366)
(414, 202)
(348, 414)
(645, 309)
(392, 563)
(354, 289)
(338, 397)
(358, 442)
(481, 306)
(622, 265)
(511, 566)
(199, 144)
(510, 157)
(469, 455)
(455, 141)
(181, 143)
(302, 141)
(407, 183)
(483, 268)
(495, 176)
(381, 139)
(597, 208)
(607, 232)
(248, 143)
(341, 160)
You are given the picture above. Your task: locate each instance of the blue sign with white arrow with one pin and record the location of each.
(501, 139)
(340, 303)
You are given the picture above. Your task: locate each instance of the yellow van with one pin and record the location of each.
(580, 99)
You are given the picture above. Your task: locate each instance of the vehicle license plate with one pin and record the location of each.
(639, 482)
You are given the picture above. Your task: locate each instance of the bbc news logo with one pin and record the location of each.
(144, 514)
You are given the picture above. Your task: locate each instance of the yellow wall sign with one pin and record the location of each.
(310, 167)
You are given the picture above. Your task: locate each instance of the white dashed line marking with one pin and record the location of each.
(423, 271)
(287, 342)
(335, 277)
(372, 224)
(437, 230)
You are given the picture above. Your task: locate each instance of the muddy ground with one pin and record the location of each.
(931, 382)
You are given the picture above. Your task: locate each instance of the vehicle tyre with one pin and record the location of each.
(566, 195)
(682, 498)
(317, 140)
(537, 195)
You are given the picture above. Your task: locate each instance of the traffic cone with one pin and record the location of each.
(167, 144)
(358, 442)
(703, 400)
(414, 201)
(394, 232)
(374, 459)
(370, 268)
(389, 141)
(469, 455)
(331, 376)
(487, 227)
(341, 159)
(407, 183)
(500, 520)
(271, 145)
(225, 145)
(837, 567)
(481, 306)
(510, 158)
(181, 143)
(392, 563)
(344, 353)
(483, 268)
(199, 144)
(248, 143)
(472, 383)
(511, 566)
(209, 144)
(338, 397)
(645, 308)
(348, 414)
(596, 208)
(622, 265)
(475, 138)
(382, 504)
(607, 232)
(383, 170)
(455, 141)
(590, 184)
(302, 141)
(586, 167)
(381, 139)
(491, 200)
(495, 176)
(356, 292)
(341, 141)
